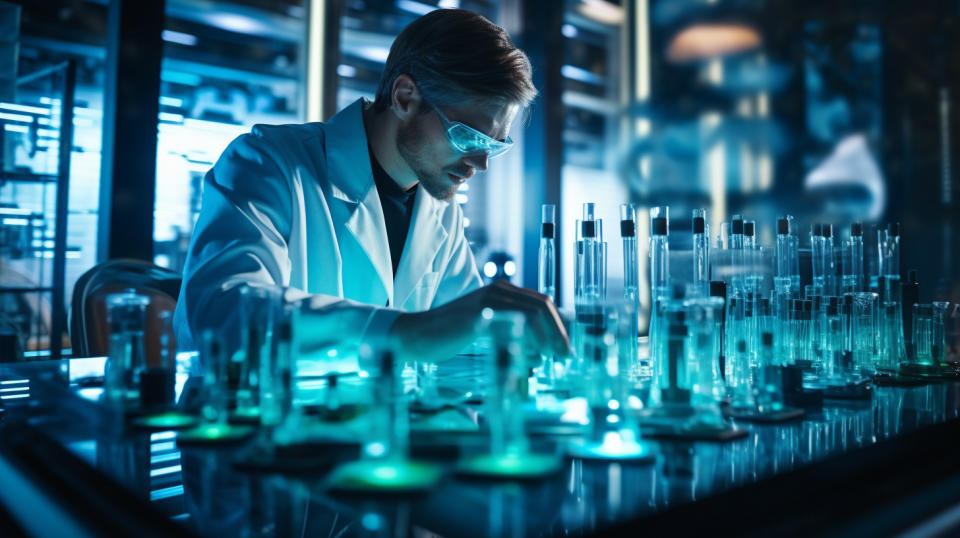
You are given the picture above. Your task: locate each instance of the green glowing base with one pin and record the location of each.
(634, 452)
(166, 421)
(214, 434)
(382, 476)
(245, 415)
(510, 466)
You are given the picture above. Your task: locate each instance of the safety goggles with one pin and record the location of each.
(470, 141)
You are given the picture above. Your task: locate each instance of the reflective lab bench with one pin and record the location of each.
(202, 489)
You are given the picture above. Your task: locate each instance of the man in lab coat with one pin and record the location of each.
(353, 218)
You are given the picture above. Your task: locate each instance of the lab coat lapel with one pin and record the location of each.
(424, 239)
(351, 182)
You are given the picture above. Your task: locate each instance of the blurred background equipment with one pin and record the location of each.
(811, 109)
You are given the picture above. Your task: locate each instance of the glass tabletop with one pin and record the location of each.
(211, 492)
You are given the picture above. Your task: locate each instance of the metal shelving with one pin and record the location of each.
(65, 75)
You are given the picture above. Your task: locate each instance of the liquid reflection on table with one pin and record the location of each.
(202, 488)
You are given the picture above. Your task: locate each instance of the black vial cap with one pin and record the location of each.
(894, 229)
(546, 230)
(659, 226)
(817, 230)
(718, 288)
(628, 228)
(748, 229)
(767, 339)
(699, 226)
(736, 226)
(856, 229)
(783, 226)
(828, 230)
(741, 346)
(588, 228)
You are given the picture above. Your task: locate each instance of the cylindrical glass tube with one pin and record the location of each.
(591, 255)
(260, 307)
(547, 267)
(659, 253)
(703, 319)
(631, 269)
(829, 261)
(891, 262)
(856, 254)
(507, 374)
(864, 330)
(923, 333)
(701, 250)
(578, 264)
(938, 347)
(126, 316)
(659, 247)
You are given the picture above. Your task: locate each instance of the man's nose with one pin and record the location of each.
(478, 161)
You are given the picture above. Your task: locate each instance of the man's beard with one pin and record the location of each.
(409, 144)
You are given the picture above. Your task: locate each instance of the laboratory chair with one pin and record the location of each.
(89, 329)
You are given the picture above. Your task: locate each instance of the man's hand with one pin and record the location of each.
(443, 331)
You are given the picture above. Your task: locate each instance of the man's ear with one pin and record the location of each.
(405, 97)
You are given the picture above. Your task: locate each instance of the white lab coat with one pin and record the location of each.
(295, 206)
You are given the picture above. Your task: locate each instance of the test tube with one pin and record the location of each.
(864, 330)
(856, 254)
(659, 248)
(216, 397)
(770, 382)
(938, 347)
(704, 318)
(816, 255)
(740, 377)
(126, 315)
(833, 340)
(259, 309)
(578, 264)
(891, 260)
(590, 278)
(923, 333)
(673, 379)
(795, 252)
(701, 250)
(601, 261)
(157, 380)
(891, 349)
(507, 375)
(547, 268)
(276, 389)
(631, 289)
(631, 270)
(829, 261)
(749, 235)
(736, 254)
(390, 436)
(909, 294)
(659, 253)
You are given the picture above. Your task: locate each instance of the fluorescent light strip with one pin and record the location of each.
(163, 458)
(166, 493)
(25, 108)
(165, 470)
(15, 381)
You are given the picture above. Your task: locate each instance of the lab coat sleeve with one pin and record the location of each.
(460, 275)
(241, 237)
